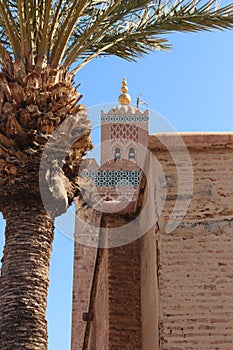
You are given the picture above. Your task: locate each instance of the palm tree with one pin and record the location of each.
(43, 43)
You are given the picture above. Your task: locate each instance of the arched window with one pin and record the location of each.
(131, 153)
(117, 154)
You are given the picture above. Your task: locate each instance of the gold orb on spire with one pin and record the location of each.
(124, 98)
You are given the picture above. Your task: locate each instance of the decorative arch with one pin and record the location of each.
(131, 153)
(117, 152)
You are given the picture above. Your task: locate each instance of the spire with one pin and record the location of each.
(124, 98)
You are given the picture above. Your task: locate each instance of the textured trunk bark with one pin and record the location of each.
(24, 276)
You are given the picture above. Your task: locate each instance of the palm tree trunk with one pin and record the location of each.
(24, 277)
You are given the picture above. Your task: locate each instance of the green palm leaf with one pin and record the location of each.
(68, 32)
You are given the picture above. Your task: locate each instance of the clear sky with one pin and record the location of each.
(190, 86)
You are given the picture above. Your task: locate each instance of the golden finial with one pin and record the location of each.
(124, 98)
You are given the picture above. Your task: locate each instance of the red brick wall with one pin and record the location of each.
(84, 264)
(84, 270)
(124, 298)
(98, 337)
(116, 303)
(114, 294)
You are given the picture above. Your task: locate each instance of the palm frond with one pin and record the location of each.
(44, 42)
(66, 31)
(74, 32)
(133, 32)
(9, 27)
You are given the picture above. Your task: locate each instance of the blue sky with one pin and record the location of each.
(190, 86)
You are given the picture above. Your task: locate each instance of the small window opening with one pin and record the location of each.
(117, 154)
(131, 153)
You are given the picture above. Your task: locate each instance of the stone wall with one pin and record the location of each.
(195, 261)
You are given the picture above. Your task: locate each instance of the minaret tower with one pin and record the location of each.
(124, 135)
(124, 138)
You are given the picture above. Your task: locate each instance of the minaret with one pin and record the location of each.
(124, 134)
